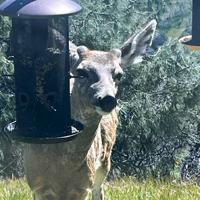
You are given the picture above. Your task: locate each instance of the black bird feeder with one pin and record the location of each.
(193, 41)
(40, 46)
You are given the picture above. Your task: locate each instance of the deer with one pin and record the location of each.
(71, 170)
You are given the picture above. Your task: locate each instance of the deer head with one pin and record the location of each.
(100, 72)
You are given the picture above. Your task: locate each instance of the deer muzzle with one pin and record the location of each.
(107, 103)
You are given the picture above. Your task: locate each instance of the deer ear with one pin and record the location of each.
(82, 51)
(136, 46)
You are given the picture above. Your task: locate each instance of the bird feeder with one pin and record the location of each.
(193, 41)
(40, 47)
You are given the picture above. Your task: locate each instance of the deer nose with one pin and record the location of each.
(107, 103)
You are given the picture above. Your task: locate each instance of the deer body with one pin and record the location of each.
(69, 171)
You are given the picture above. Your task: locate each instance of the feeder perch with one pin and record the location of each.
(40, 47)
(193, 41)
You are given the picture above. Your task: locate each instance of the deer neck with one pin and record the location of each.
(82, 111)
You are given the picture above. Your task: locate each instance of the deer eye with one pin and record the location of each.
(81, 73)
(118, 76)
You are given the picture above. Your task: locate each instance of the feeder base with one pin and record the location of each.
(188, 42)
(76, 128)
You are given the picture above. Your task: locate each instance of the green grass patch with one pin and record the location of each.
(123, 189)
(14, 190)
(152, 190)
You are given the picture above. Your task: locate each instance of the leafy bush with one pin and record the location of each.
(10, 159)
(159, 112)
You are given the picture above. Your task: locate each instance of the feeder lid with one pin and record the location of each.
(190, 42)
(38, 8)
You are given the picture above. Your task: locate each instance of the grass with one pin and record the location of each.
(14, 190)
(152, 190)
(124, 189)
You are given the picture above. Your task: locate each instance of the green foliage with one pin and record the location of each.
(159, 111)
(105, 24)
(10, 162)
(6, 68)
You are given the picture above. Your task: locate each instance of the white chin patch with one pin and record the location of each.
(100, 111)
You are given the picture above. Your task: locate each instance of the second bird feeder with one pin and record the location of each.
(193, 41)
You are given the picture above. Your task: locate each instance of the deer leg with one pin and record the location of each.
(97, 192)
